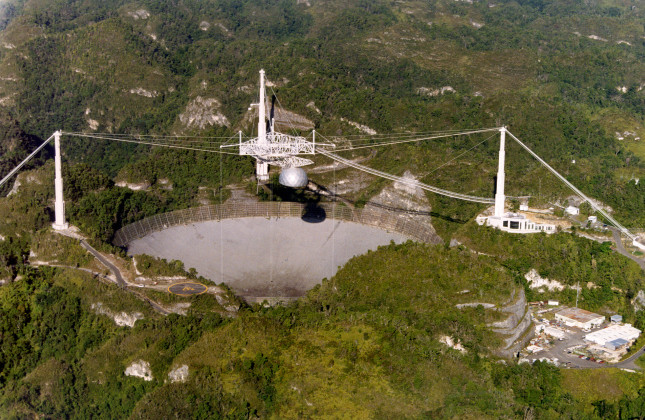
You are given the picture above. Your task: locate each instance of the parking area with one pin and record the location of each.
(565, 346)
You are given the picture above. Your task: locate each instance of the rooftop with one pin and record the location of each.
(579, 315)
(612, 333)
(618, 342)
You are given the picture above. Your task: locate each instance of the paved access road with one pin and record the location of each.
(629, 363)
(105, 262)
(621, 249)
(119, 278)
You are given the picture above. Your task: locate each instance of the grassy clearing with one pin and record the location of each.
(589, 385)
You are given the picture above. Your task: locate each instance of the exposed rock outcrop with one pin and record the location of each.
(202, 112)
(408, 200)
(140, 369)
(144, 92)
(515, 326)
(122, 319)
(139, 14)
(639, 301)
(538, 282)
(362, 128)
(133, 186)
(435, 92)
(179, 374)
(452, 343)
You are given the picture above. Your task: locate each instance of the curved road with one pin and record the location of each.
(621, 249)
(629, 362)
(105, 262)
(119, 278)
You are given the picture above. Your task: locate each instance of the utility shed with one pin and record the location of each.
(616, 319)
(614, 332)
(576, 317)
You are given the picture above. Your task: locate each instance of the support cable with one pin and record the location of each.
(461, 154)
(150, 143)
(575, 190)
(416, 139)
(24, 162)
(407, 181)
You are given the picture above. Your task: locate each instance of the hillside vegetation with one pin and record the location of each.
(366, 343)
(383, 338)
(566, 77)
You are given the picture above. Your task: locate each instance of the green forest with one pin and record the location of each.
(565, 76)
(554, 89)
(359, 344)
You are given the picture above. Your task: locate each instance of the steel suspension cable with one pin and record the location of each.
(407, 181)
(613, 221)
(24, 162)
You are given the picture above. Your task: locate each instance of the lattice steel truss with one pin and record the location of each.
(279, 149)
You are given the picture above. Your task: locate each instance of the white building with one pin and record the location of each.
(534, 349)
(515, 223)
(639, 244)
(554, 332)
(576, 317)
(592, 219)
(612, 333)
(572, 210)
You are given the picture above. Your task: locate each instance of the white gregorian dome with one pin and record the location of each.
(293, 177)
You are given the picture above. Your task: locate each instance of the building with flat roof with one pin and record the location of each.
(607, 336)
(572, 210)
(554, 332)
(515, 223)
(576, 317)
(616, 319)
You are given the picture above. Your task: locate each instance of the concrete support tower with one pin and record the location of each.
(499, 195)
(262, 168)
(59, 205)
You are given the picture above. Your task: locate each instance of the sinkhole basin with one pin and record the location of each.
(267, 251)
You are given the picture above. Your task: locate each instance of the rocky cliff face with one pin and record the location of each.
(179, 374)
(409, 201)
(639, 301)
(121, 319)
(203, 112)
(514, 327)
